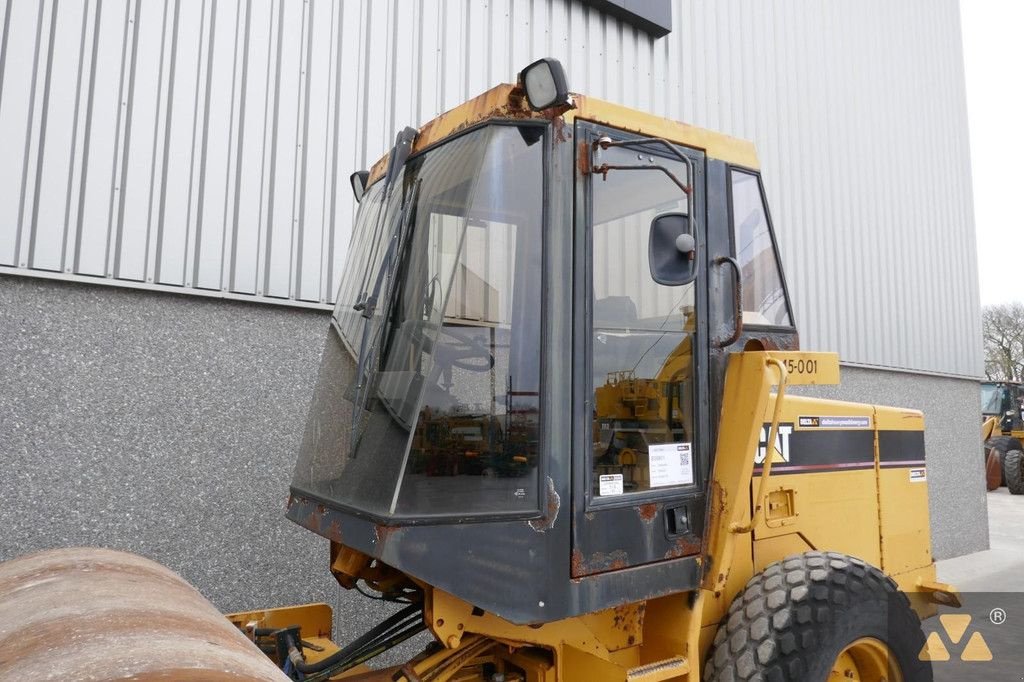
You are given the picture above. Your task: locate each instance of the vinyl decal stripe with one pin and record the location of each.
(840, 449)
(901, 446)
(814, 447)
(783, 469)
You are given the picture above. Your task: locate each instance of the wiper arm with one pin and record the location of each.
(397, 240)
(396, 161)
(367, 304)
(365, 372)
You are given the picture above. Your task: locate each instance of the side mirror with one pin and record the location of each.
(672, 250)
(358, 180)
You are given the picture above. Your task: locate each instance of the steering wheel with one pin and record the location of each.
(462, 349)
(452, 348)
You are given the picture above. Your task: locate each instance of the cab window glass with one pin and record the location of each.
(764, 298)
(642, 339)
(991, 399)
(427, 402)
(475, 442)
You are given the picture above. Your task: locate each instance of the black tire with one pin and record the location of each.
(1002, 445)
(794, 619)
(1013, 471)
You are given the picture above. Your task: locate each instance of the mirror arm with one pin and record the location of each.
(605, 142)
(737, 299)
(603, 169)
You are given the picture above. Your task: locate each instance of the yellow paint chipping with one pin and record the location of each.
(504, 102)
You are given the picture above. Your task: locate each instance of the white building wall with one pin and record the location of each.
(205, 145)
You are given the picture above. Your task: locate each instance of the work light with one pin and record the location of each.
(545, 84)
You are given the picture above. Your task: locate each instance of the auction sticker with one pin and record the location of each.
(610, 484)
(671, 464)
(857, 422)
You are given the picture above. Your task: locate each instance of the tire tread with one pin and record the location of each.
(773, 627)
(1013, 471)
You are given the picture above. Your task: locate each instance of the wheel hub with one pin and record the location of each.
(865, 660)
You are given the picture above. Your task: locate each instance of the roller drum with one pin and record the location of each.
(96, 614)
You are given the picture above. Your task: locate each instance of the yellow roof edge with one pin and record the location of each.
(501, 102)
(716, 145)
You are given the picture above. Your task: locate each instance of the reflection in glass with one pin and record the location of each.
(764, 299)
(642, 334)
(444, 419)
(992, 401)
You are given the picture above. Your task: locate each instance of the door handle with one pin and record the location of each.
(737, 327)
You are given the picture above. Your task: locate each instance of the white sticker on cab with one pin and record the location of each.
(610, 484)
(671, 464)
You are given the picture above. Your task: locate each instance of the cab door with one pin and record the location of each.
(639, 367)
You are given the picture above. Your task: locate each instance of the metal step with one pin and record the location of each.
(658, 671)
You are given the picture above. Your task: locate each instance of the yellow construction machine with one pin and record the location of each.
(1002, 430)
(553, 426)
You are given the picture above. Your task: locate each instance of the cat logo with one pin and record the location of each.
(781, 444)
(955, 627)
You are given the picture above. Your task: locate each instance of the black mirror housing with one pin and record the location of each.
(672, 250)
(359, 180)
(545, 84)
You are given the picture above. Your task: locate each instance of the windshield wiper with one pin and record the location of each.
(367, 304)
(396, 161)
(397, 241)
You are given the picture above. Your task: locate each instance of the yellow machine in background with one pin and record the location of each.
(552, 428)
(1002, 431)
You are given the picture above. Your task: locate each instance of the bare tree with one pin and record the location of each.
(1003, 335)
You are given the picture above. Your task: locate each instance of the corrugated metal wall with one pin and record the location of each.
(205, 145)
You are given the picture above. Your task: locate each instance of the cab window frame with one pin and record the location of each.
(695, 211)
(537, 511)
(756, 174)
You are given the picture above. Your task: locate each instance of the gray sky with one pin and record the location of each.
(994, 58)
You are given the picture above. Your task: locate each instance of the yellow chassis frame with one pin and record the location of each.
(664, 638)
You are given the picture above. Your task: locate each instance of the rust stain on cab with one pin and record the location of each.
(683, 546)
(648, 511)
(578, 567)
(382, 533)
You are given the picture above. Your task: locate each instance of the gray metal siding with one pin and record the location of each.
(205, 145)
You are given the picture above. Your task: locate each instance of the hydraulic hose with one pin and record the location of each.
(381, 633)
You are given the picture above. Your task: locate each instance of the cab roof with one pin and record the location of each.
(507, 101)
